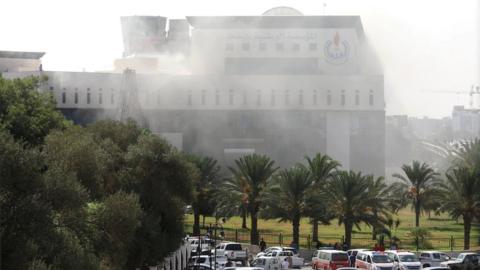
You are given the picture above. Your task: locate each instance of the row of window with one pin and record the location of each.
(88, 98)
(287, 98)
(263, 46)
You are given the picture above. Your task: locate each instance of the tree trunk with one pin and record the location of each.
(253, 231)
(196, 223)
(417, 214)
(244, 219)
(203, 222)
(315, 229)
(348, 233)
(467, 225)
(296, 229)
(374, 228)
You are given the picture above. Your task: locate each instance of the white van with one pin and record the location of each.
(373, 260)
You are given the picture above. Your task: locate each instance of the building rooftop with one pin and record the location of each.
(21, 55)
(282, 22)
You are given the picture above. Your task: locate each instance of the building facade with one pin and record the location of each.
(280, 84)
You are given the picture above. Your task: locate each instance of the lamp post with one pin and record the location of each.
(215, 243)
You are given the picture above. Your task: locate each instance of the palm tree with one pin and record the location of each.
(350, 199)
(461, 198)
(204, 188)
(287, 197)
(321, 168)
(253, 173)
(235, 204)
(382, 192)
(418, 185)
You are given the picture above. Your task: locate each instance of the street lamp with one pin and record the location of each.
(215, 241)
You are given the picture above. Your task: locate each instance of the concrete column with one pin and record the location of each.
(338, 137)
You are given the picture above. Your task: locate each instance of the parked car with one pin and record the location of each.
(373, 260)
(267, 250)
(196, 241)
(243, 268)
(463, 259)
(352, 254)
(404, 260)
(437, 268)
(209, 261)
(233, 251)
(432, 258)
(267, 263)
(329, 259)
(295, 261)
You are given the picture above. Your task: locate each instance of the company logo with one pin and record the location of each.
(337, 51)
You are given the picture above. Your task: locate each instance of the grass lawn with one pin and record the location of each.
(440, 227)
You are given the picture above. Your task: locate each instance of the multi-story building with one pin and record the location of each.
(281, 84)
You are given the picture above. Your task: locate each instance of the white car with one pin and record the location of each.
(195, 241)
(432, 258)
(266, 251)
(267, 263)
(208, 261)
(233, 251)
(405, 260)
(296, 262)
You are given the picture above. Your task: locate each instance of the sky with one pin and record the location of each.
(426, 47)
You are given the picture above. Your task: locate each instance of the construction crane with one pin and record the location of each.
(474, 90)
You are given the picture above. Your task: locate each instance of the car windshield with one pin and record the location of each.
(408, 258)
(381, 259)
(461, 257)
(339, 257)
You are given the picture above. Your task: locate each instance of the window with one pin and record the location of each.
(357, 98)
(217, 97)
(342, 98)
(75, 98)
(259, 98)
(189, 98)
(204, 93)
(229, 47)
(272, 98)
(279, 46)
(314, 97)
(230, 97)
(262, 46)
(100, 98)
(296, 47)
(300, 97)
(88, 98)
(64, 97)
(287, 97)
(370, 98)
(312, 46)
(329, 98)
(246, 46)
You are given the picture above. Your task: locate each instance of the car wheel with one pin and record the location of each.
(426, 265)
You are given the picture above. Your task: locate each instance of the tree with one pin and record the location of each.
(26, 113)
(204, 188)
(351, 201)
(382, 193)
(232, 199)
(321, 168)
(287, 197)
(76, 150)
(418, 184)
(253, 173)
(461, 198)
(163, 179)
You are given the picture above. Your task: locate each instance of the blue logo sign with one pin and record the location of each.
(337, 51)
